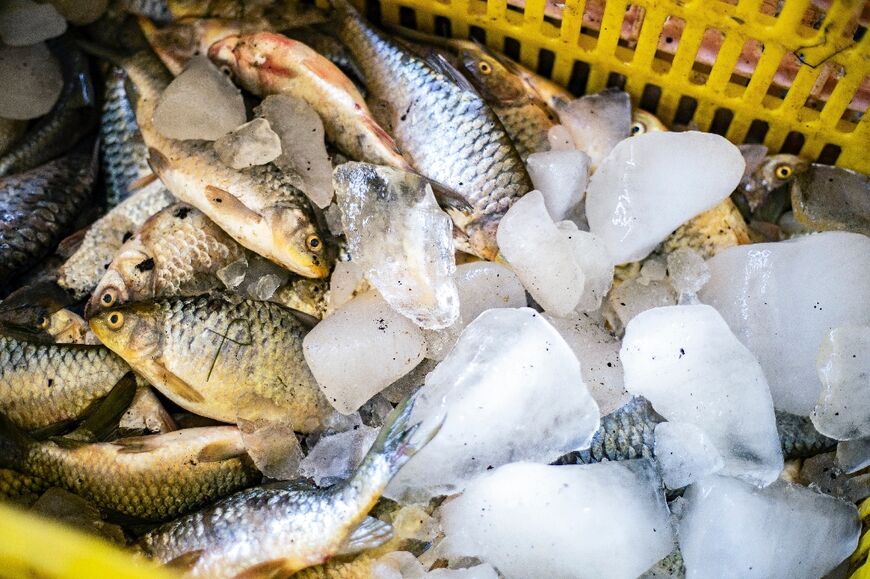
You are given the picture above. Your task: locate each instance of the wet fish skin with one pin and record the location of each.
(21, 488)
(282, 13)
(219, 356)
(10, 131)
(772, 172)
(447, 131)
(177, 251)
(284, 527)
(799, 437)
(43, 384)
(66, 123)
(309, 296)
(153, 478)
(643, 122)
(323, 40)
(39, 207)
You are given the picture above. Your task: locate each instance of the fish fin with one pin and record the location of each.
(185, 561)
(448, 198)
(221, 450)
(440, 63)
(142, 182)
(227, 202)
(306, 319)
(175, 384)
(158, 162)
(136, 444)
(13, 444)
(267, 570)
(103, 420)
(372, 533)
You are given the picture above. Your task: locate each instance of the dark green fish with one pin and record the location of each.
(38, 208)
(72, 117)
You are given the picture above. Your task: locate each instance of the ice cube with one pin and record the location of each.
(254, 143)
(823, 473)
(650, 184)
(200, 103)
(597, 350)
(591, 255)
(413, 522)
(560, 139)
(482, 571)
(654, 268)
(790, 294)
(24, 22)
(361, 349)
(530, 520)
(81, 11)
(337, 455)
(401, 239)
(485, 285)
(332, 215)
(272, 445)
(513, 391)
(303, 149)
(233, 274)
(597, 122)
(541, 255)
(345, 283)
(832, 198)
(688, 364)
(843, 364)
(688, 272)
(74, 511)
(853, 455)
(561, 177)
(398, 565)
(733, 529)
(35, 74)
(684, 454)
(440, 342)
(633, 297)
(264, 288)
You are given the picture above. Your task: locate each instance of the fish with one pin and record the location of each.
(321, 38)
(643, 122)
(826, 198)
(72, 117)
(629, 432)
(157, 10)
(277, 529)
(29, 309)
(67, 327)
(151, 478)
(283, 14)
(259, 207)
(177, 251)
(267, 63)
(309, 296)
(10, 131)
(38, 208)
(712, 231)
(43, 384)
(21, 488)
(446, 130)
(219, 356)
(764, 173)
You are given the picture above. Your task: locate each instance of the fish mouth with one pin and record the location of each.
(481, 239)
(223, 51)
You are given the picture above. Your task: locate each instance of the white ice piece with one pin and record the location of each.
(843, 363)
(25, 22)
(688, 272)
(684, 454)
(781, 299)
(32, 80)
(591, 256)
(633, 297)
(561, 177)
(651, 184)
(337, 455)
(254, 143)
(597, 122)
(688, 364)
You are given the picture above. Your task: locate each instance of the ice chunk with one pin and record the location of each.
(272, 445)
(653, 268)
(790, 294)
(413, 522)
(81, 11)
(541, 255)
(398, 565)
(651, 184)
(529, 520)
(732, 529)
(345, 283)
(832, 198)
(597, 350)
(561, 177)
(633, 297)
(332, 215)
(253, 143)
(591, 255)
(853, 455)
(303, 149)
(513, 391)
(337, 455)
(440, 342)
(233, 274)
(36, 76)
(74, 511)
(823, 473)
(361, 349)
(375, 411)
(482, 571)
(688, 364)
(684, 454)
(597, 122)
(200, 103)
(401, 239)
(843, 363)
(560, 139)
(688, 273)
(24, 22)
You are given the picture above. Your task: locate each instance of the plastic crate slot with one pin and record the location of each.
(721, 121)
(477, 33)
(407, 17)
(579, 77)
(829, 76)
(616, 80)
(830, 153)
(793, 143)
(373, 11)
(859, 33)
(685, 110)
(443, 27)
(546, 60)
(757, 131)
(705, 56)
(649, 99)
(512, 48)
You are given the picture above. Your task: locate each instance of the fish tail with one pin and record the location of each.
(14, 443)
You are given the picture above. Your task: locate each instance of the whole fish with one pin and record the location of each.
(38, 208)
(446, 130)
(178, 251)
(267, 63)
(72, 117)
(219, 356)
(153, 478)
(42, 384)
(258, 207)
(765, 173)
(323, 40)
(278, 529)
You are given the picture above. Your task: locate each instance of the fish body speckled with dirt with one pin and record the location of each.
(278, 529)
(446, 130)
(42, 384)
(153, 478)
(259, 207)
(219, 356)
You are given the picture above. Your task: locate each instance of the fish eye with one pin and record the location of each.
(226, 70)
(783, 171)
(115, 320)
(109, 297)
(314, 243)
(484, 67)
(638, 128)
(43, 323)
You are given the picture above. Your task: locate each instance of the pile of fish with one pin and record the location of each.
(285, 292)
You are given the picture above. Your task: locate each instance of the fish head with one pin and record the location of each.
(492, 79)
(134, 331)
(130, 277)
(481, 239)
(643, 122)
(778, 170)
(297, 243)
(178, 42)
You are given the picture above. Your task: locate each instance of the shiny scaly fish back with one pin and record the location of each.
(153, 478)
(447, 131)
(309, 296)
(42, 384)
(799, 437)
(219, 356)
(21, 488)
(278, 529)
